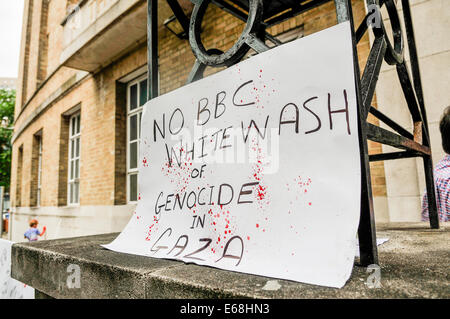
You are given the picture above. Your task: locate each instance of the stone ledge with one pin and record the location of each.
(414, 264)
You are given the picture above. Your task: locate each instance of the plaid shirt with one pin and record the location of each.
(442, 184)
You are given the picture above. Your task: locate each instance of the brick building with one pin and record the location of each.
(82, 84)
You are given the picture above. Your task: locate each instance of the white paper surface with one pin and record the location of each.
(9, 287)
(299, 219)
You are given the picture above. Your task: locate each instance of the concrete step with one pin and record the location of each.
(414, 264)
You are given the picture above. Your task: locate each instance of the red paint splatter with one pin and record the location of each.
(145, 162)
(150, 228)
(179, 176)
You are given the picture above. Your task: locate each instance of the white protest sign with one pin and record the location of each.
(9, 287)
(256, 169)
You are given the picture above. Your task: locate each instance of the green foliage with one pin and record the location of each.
(7, 102)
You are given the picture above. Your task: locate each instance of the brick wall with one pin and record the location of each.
(120, 145)
(63, 154)
(34, 170)
(32, 78)
(24, 55)
(17, 195)
(56, 13)
(43, 44)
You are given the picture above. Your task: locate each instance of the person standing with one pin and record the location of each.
(33, 232)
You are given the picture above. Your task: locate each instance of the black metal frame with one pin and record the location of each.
(416, 144)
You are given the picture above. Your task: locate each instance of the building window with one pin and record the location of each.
(74, 159)
(136, 97)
